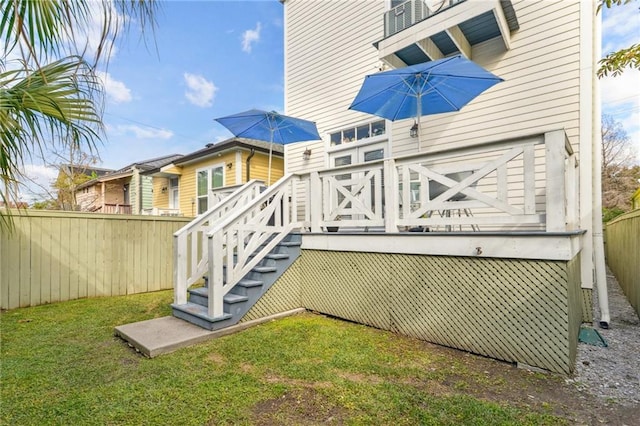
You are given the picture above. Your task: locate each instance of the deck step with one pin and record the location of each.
(264, 269)
(247, 283)
(245, 293)
(198, 314)
(277, 256)
(232, 298)
(290, 243)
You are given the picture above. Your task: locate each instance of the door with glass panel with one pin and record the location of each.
(174, 194)
(357, 155)
(206, 180)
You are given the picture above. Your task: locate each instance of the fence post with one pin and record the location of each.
(555, 191)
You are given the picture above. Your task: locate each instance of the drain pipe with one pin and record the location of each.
(598, 240)
(253, 152)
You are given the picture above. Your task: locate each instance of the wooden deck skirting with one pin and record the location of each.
(516, 310)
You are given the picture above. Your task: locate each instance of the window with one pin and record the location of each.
(174, 194)
(358, 133)
(206, 180)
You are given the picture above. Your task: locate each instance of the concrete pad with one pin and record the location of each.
(167, 334)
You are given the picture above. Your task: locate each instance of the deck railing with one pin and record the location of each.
(516, 185)
(115, 209)
(523, 184)
(190, 248)
(240, 241)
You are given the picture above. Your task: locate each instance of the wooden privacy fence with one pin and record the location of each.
(622, 248)
(58, 256)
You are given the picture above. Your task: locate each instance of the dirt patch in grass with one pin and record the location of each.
(299, 406)
(449, 373)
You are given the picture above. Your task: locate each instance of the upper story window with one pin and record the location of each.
(358, 133)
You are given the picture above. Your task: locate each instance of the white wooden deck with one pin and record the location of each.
(505, 199)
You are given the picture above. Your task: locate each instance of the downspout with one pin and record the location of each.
(248, 172)
(598, 240)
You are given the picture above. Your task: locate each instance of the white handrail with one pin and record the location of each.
(241, 240)
(189, 247)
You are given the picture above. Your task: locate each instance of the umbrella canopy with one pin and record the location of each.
(271, 127)
(432, 87)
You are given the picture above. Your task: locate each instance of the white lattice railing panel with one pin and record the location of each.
(524, 184)
(351, 196)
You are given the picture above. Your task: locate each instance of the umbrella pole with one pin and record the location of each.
(270, 152)
(269, 172)
(419, 129)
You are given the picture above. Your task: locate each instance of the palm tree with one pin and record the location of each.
(49, 92)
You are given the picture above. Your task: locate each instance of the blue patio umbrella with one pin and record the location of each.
(271, 127)
(432, 87)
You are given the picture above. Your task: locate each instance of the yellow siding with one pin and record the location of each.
(260, 167)
(188, 204)
(160, 199)
(187, 174)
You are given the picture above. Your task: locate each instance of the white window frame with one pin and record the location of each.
(386, 136)
(174, 203)
(209, 169)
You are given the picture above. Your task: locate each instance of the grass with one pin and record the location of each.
(61, 364)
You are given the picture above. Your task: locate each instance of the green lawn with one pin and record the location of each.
(62, 365)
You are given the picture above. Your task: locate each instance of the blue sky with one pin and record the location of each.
(213, 58)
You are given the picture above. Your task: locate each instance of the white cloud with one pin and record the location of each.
(249, 37)
(116, 90)
(620, 26)
(36, 182)
(623, 88)
(142, 132)
(200, 91)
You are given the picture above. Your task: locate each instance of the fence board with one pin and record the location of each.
(36, 258)
(622, 248)
(24, 267)
(59, 256)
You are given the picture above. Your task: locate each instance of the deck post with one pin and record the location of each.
(556, 194)
(216, 279)
(391, 209)
(315, 188)
(179, 269)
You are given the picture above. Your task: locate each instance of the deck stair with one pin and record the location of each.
(245, 293)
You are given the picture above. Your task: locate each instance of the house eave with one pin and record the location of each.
(445, 33)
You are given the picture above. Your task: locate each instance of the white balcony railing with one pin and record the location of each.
(411, 12)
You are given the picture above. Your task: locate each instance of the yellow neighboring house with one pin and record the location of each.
(190, 185)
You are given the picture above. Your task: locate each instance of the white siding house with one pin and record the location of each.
(480, 237)
(546, 60)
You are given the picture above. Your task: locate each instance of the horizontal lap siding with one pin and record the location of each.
(329, 51)
(540, 92)
(160, 198)
(53, 257)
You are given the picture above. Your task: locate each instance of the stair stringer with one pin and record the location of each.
(244, 295)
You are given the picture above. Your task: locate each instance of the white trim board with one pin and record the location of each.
(548, 246)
